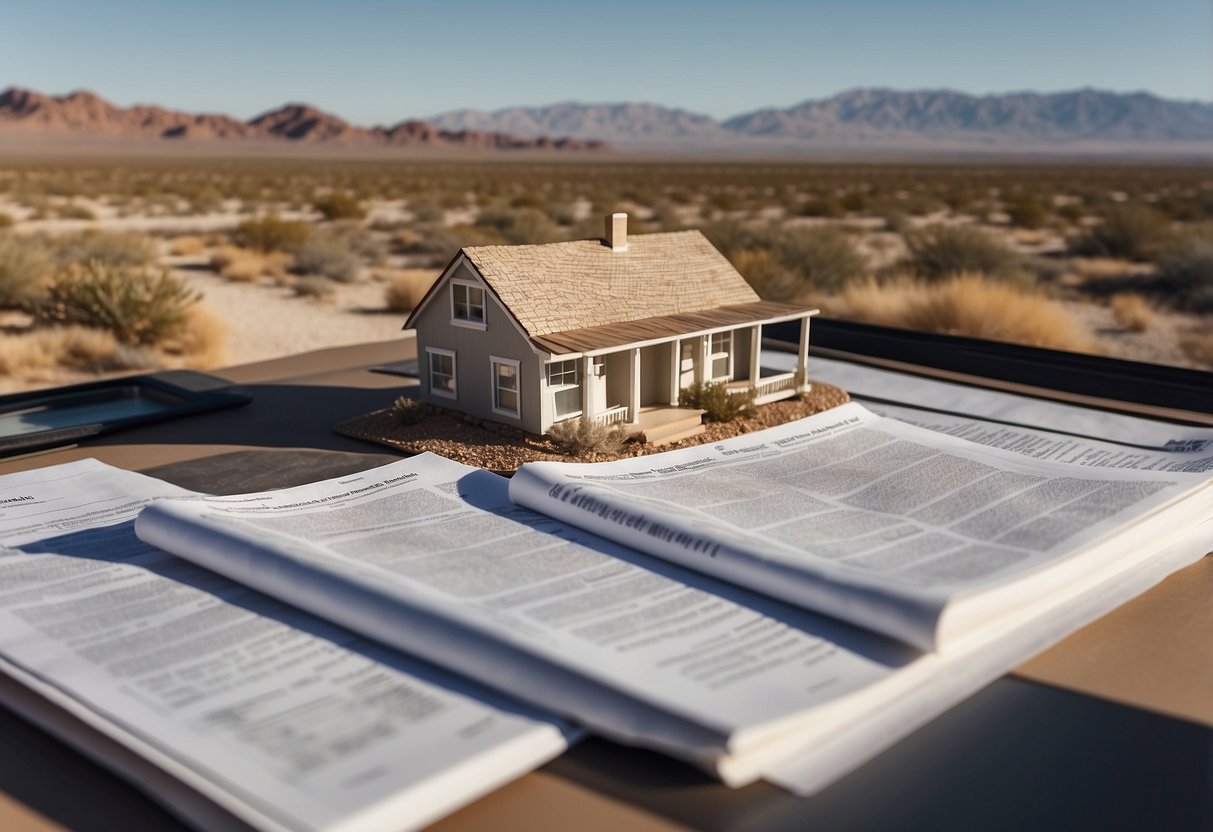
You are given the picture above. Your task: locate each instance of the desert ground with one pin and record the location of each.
(115, 267)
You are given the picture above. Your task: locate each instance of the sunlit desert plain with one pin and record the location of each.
(111, 266)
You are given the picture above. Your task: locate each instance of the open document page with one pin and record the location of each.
(430, 555)
(282, 720)
(895, 528)
(1031, 426)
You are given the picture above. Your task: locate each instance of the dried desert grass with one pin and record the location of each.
(248, 266)
(31, 355)
(202, 341)
(1132, 311)
(967, 304)
(405, 288)
(187, 246)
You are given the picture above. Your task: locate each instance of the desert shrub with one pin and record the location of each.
(316, 287)
(247, 266)
(187, 246)
(1128, 230)
(201, 341)
(340, 205)
(797, 260)
(116, 249)
(24, 263)
(406, 288)
(520, 226)
(718, 404)
(965, 304)
(6, 220)
(1185, 266)
(1026, 211)
(367, 245)
(408, 411)
(138, 307)
(28, 355)
(272, 233)
(328, 256)
(822, 206)
(75, 211)
(1132, 311)
(939, 251)
(583, 435)
(441, 243)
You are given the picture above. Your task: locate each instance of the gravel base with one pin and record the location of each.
(485, 447)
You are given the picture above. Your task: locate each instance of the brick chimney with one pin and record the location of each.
(616, 231)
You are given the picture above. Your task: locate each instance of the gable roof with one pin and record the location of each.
(557, 287)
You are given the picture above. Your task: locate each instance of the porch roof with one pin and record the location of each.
(668, 327)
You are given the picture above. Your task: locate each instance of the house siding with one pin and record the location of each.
(473, 349)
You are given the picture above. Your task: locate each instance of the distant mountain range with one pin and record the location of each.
(857, 121)
(84, 115)
(878, 118)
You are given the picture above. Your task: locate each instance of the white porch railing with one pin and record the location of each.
(613, 415)
(774, 384)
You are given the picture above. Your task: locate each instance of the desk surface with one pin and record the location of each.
(1113, 727)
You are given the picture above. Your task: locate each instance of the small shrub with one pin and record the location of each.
(718, 404)
(340, 206)
(24, 263)
(75, 211)
(823, 206)
(120, 250)
(328, 256)
(796, 261)
(405, 289)
(272, 233)
(1026, 211)
(187, 246)
(940, 251)
(246, 266)
(576, 437)
(1186, 268)
(201, 342)
(316, 287)
(6, 220)
(137, 307)
(408, 411)
(1129, 230)
(1132, 311)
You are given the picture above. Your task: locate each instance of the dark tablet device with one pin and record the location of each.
(67, 415)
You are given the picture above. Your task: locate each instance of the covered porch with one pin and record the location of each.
(620, 383)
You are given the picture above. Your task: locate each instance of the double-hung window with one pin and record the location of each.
(505, 386)
(442, 372)
(467, 304)
(721, 356)
(566, 392)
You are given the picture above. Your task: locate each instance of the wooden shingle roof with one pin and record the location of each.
(562, 287)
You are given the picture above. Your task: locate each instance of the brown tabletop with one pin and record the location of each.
(1110, 728)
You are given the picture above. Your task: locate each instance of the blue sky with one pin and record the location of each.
(379, 62)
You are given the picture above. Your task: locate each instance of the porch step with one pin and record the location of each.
(675, 430)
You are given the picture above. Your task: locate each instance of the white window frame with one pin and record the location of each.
(494, 362)
(468, 286)
(453, 393)
(725, 353)
(553, 389)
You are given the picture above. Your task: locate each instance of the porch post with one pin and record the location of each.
(675, 369)
(703, 369)
(802, 358)
(634, 396)
(755, 353)
(587, 371)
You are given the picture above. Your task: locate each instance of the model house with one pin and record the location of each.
(612, 329)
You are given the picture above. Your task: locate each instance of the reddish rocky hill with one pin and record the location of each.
(85, 115)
